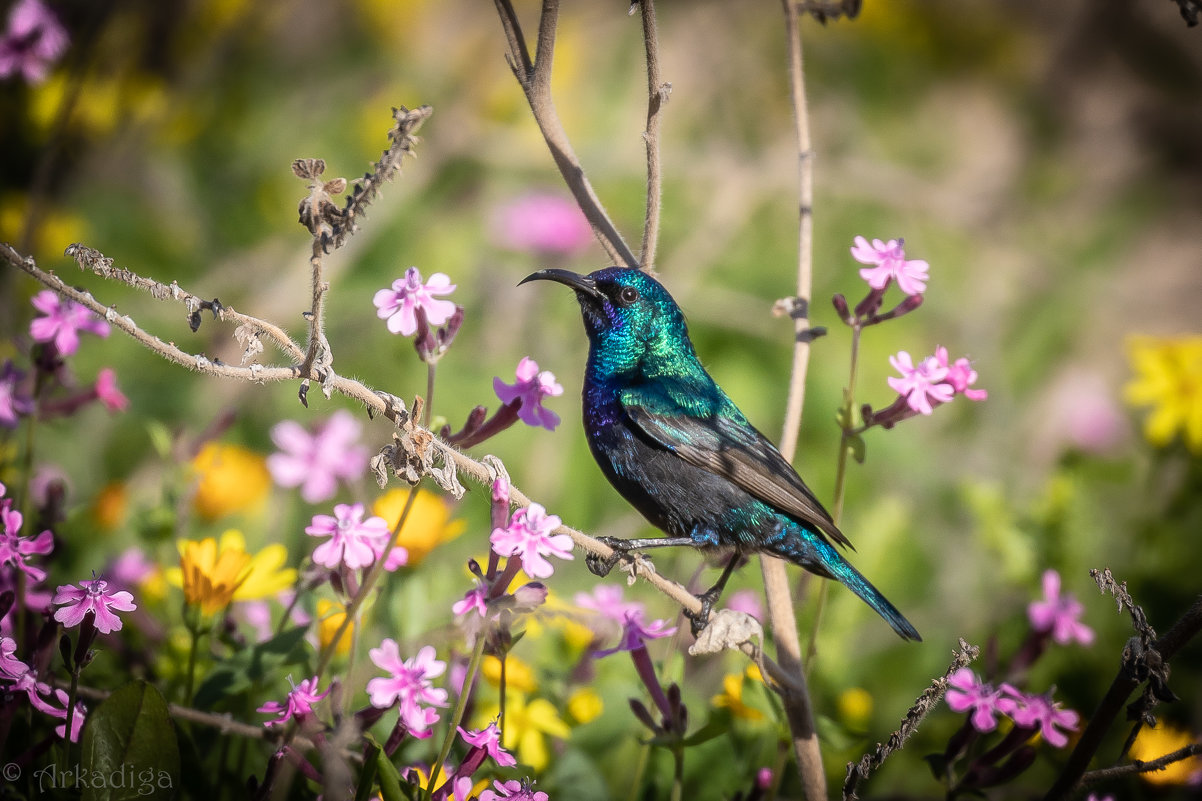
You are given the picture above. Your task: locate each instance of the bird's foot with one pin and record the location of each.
(601, 565)
(699, 620)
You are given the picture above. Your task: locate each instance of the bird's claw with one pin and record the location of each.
(601, 565)
(699, 620)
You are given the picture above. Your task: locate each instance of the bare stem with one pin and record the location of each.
(798, 708)
(657, 95)
(534, 76)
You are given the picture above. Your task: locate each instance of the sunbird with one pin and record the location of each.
(678, 449)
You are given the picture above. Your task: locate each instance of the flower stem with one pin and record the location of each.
(369, 582)
(430, 371)
(191, 615)
(847, 425)
(72, 693)
(473, 667)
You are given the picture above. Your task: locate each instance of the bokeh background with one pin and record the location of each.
(1043, 157)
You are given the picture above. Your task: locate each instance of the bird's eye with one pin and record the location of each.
(628, 295)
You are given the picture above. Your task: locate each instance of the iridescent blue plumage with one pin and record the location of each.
(676, 447)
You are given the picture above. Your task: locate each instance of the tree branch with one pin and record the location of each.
(535, 80)
(1138, 664)
(657, 96)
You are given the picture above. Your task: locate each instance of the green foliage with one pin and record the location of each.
(129, 748)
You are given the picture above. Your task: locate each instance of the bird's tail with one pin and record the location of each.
(814, 553)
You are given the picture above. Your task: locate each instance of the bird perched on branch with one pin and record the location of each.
(674, 445)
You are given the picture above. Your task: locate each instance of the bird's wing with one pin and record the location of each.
(704, 428)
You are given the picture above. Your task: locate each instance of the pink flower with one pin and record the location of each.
(489, 738)
(108, 393)
(1059, 614)
(399, 305)
(476, 600)
(514, 789)
(968, 693)
(606, 599)
(889, 262)
(34, 690)
(543, 223)
(922, 384)
(530, 389)
(34, 40)
(93, 596)
(298, 704)
(63, 321)
(960, 375)
(354, 541)
(529, 536)
(746, 601)
(14, 401)
(409, 684)
(10, 666)
(1039, 712)
(131, 568)
(14, 549)
(635, 634)
(315, 462)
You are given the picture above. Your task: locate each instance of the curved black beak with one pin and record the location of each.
(580, 283)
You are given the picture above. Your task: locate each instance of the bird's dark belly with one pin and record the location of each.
(675, 496)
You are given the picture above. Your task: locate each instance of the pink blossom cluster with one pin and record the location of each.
(529, 537)
(298, 705)
(934, 380)
(317, 461)
(33, 40)
(20, 677)
(408, 686)
(984, 703)
(354, 542)
(528, 392)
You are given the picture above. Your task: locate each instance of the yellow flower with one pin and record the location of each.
(214, 574)
(855, 707)
(1153, 743)
(209, 577)
(519, 677)
(267, 576)
(527, 725)
(585, 705)
(1168, 377)
(230, 479)
(108, 509)
(731, 697)
(329, 619)
(429, 523)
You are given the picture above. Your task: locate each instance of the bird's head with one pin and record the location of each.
(625, 308)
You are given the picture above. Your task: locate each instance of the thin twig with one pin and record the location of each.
(781, 616)
(535, 79)
(860, 771)
(657, 96)
(1131, 674)
(1140, 766)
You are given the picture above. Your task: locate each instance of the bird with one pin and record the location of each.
(676, 447)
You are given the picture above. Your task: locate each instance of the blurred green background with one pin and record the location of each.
(1043, 157)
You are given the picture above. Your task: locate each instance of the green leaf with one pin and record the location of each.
(129, 748)
(367, 776)
(251, 665)
(716, 726)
